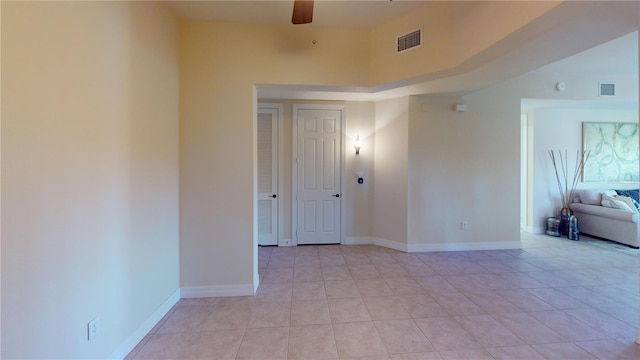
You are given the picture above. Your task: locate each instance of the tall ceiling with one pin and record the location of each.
(327, 13)
(594, 26)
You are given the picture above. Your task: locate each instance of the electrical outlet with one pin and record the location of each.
(93, 327)
(464, 225)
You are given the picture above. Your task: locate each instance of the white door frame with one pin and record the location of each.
(294, 167)
(524, 173)
(280, 109)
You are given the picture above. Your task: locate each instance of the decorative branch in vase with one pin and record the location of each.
(567, 181)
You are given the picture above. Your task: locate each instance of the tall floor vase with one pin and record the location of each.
(565, 214)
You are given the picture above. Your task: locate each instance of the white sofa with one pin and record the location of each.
(606, 222)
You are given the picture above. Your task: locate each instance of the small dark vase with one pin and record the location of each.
(565, 213)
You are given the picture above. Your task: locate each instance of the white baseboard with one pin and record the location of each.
(536, 229)
(361, 240)
(390, 244)
(217, 291)
(410, 248)
(366, 240)
(123, 350)
(501, 245)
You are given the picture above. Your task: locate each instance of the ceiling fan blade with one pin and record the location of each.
(302, 12)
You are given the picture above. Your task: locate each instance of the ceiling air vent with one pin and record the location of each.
(409, 41)
(607, 89)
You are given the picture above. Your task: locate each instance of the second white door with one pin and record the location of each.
(268, 155)
(318, 169)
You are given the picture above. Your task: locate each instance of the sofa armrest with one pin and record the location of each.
(605, 212)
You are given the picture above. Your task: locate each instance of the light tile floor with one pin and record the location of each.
(555, 299)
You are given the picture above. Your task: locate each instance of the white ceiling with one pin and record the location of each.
(327, 13)
(616, 58)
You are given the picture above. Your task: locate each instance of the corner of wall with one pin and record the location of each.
(136, 337)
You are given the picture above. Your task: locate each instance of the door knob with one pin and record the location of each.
(274, 196)
(336, 195)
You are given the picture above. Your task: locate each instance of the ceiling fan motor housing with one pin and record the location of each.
(302, 12)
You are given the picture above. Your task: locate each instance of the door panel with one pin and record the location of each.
(265, 215)
(329, 164)
(309, 164)
(318, 176)
(309, 218)
(328, 217)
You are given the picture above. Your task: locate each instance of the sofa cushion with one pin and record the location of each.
(611, 202)
(604, 212)
(627, 200)
(590, 196)
(633, 194)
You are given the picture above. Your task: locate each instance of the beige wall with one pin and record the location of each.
(216, 130)
(481, 24)
(90, 173)
(454, 158)
(217, 151)
(391, 169)
(453, 32)
(90, 153)
(360, 122)
(461, 164)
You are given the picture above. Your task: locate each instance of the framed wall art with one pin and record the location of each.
(613, 152)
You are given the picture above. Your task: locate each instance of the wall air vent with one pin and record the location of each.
(409, 41)
(607, 89)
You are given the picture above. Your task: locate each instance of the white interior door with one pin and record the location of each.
(319, 154)
(268, 176)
